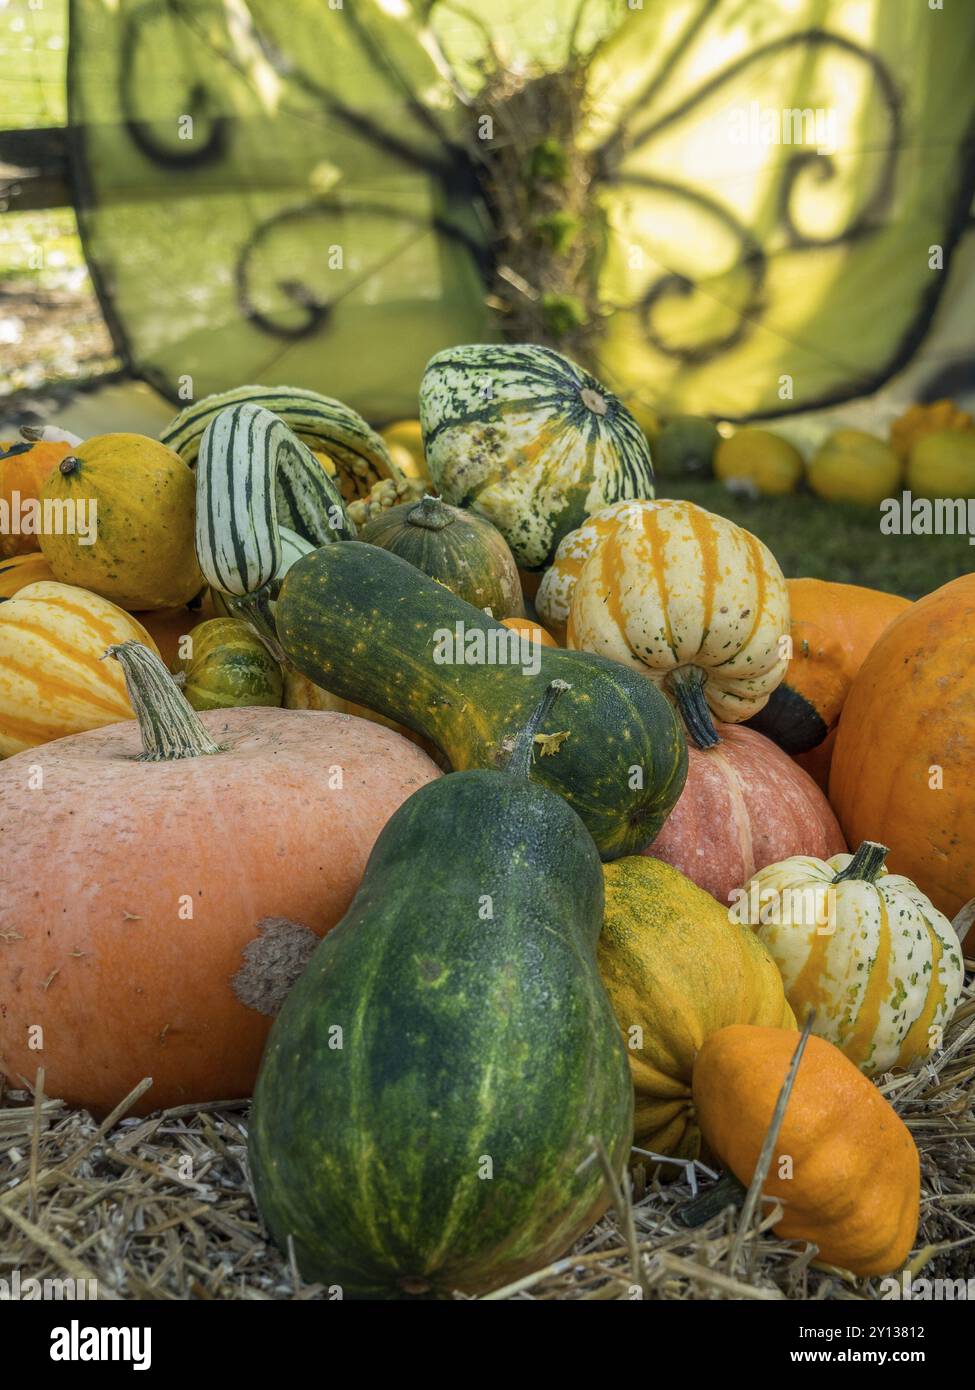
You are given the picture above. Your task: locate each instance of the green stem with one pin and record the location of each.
(169, 726)
(431, 514)
(726, 1192)
(866, 863)
(256, 609)
(686, 684)
(519, 760)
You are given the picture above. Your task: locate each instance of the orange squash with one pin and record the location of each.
(845, 1166)
(24, 469)
(832, 628)
(903, 769)
(532, 630)
(17, 571)
(134, 892)
(168, 626)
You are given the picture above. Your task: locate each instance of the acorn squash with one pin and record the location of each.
(459, 549)
(530, 440)
(429, 1094)
(370, 628)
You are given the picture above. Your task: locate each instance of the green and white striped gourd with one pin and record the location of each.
(530, 440)
(254, 475)
(358, 452)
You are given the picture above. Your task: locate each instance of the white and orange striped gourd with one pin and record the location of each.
(867, 950)
(694, 601)
(53, 680)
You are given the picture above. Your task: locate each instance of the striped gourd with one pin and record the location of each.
(689, 598)
(526, 437)
(253, 475)
(325, 425)
(53, 680)
(866, 949)
(20, 570)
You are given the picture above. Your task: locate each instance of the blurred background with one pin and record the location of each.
(740, 214)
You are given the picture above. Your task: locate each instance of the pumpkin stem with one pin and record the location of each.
(431, 514)
(866, 863)
(519, 760)
(686, 684)
(169, 725)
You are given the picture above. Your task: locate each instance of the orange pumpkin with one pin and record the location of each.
(745, 805)
(903, 769)
(24, 469)
(817, 761)
(845, 1167)
(133, 892)
(832, 628)
(532, 630)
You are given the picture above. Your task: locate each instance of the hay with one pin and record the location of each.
(162, 1208)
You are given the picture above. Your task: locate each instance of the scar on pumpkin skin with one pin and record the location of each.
(273, 960)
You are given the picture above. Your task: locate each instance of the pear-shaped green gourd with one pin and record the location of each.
(432, 1087)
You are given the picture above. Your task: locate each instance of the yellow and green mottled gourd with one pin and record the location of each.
(141, 553)
(677, 967)
(424, 1114)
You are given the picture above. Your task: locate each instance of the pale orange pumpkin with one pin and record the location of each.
(134, 891)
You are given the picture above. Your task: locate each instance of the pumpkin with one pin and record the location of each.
(53, 681)
(471, 1000)
(853, 466)
(845, 1167)
(817, 761)
(533, 631)
(879, 964)
(762, 460)
(370, 628)
(677, 967)
(328, 426)
(227, 665)
(691, 600)
(18, 571)
(943, 465)
(530, 440)
(179, 886)
(138, 498)
(459, 549)
(745, 804)
(922, 419)
(832, 628)
(24, 469)
(903, 769)
(261, 496)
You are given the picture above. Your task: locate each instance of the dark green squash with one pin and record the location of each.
(228, 667)
(425, 1105)
(369, 627)
(459, 549)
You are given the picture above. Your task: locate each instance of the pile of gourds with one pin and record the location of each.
(511, 921)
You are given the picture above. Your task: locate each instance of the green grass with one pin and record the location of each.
(827, 540)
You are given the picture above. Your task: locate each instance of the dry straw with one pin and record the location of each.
(162, 1208)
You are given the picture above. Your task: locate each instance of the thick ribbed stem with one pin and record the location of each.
(431, 514)
(865, 865)
(519, 761)
(686, 684)
(170, 727)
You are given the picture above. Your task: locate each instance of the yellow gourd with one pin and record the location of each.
(770, 464)
(853, 466)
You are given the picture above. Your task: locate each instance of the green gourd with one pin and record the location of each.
(228, 666)
(424, 1114)
(370, 628)
(459, 549)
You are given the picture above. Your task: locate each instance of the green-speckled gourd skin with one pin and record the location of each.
(471, 1044)
(467, 554)
(530, 440)
(362, 623)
